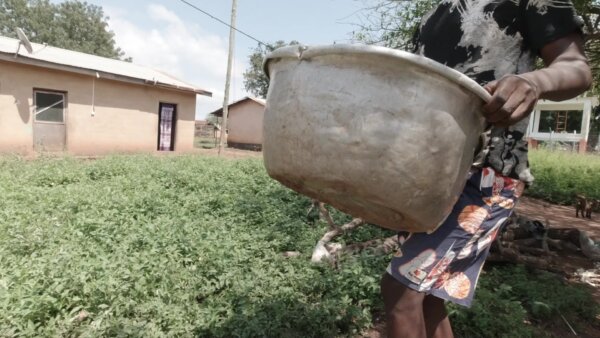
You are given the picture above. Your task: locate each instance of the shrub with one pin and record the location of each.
(559, 175)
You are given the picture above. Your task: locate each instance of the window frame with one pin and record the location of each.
(569, 112)
(580, 103)
(54, 92)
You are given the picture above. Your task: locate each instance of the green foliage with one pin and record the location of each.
(182, 246)
(393, 23)
(559, 175)
(213, 119)
(255, 79)
(187, 246)
(588, 11)
(73, 25)
(510, 299)
(205, 142)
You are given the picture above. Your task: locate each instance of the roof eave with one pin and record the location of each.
(9, 57)
(219, 112)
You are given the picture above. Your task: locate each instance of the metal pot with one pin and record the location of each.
(378, 133)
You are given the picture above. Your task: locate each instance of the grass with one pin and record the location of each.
(191, 246)
(205, 142)
(174, 246)
(559, 175)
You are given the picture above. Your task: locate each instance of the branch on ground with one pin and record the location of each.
(537, 245)
(321, 250)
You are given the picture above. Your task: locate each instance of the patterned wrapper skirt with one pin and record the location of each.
(446, 263)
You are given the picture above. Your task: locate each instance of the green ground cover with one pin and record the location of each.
(146, 246)
(205, 142)
(560, 175)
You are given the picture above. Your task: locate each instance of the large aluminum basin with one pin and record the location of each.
(380, 134)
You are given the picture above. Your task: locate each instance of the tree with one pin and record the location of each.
(255, 79)
(71, 25)
(392, 23)
(589, 10)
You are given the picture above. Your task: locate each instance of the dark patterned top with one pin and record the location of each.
(487, 39)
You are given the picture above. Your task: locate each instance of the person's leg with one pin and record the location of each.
(403, 308)
(437, 323)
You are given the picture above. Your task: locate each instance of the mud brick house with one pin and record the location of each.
(244, 123)
(58, 100)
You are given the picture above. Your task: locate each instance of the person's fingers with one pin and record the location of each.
(492, 111)
(515, 100)
(491, 87)
(521, 112)
(518, 114)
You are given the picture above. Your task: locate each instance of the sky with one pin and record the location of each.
(171, 36)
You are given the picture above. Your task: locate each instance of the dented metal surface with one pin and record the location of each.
(381, 134)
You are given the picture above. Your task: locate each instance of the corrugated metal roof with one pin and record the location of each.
(219, 112)
(68, 60)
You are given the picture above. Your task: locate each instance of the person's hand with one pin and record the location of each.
(513, 98)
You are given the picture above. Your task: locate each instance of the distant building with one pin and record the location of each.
(565, 121)
(207, 129)
(60, 100)
(207, 134)
(244, 123)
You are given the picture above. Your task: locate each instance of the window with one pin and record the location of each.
(563, 121)
(49, 106)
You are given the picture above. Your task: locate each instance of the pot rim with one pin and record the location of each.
(302, 52)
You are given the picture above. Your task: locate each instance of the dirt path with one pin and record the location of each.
(560, 216)
(229, 153)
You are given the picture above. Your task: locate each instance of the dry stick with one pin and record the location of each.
(312, 207)
(320, 250)
(569, 325)
(337, 231)
(557, 244)
(512, 255)
(323, 250)
(382, 245)
(545, 238)
(325, 213)
(534, 251)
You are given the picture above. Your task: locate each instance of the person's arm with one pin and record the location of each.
(567, 74)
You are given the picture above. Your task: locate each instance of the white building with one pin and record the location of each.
(564, 121)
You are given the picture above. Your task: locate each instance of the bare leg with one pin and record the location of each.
(436, 318)
(403, 308)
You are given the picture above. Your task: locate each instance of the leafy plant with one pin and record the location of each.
(186, 246)
(514, 302)
(559, 176)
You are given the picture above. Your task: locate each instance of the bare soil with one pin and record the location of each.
(559, 216)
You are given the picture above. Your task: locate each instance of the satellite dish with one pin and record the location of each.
(23, 40)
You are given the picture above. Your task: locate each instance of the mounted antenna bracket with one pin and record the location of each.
(23, 40)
